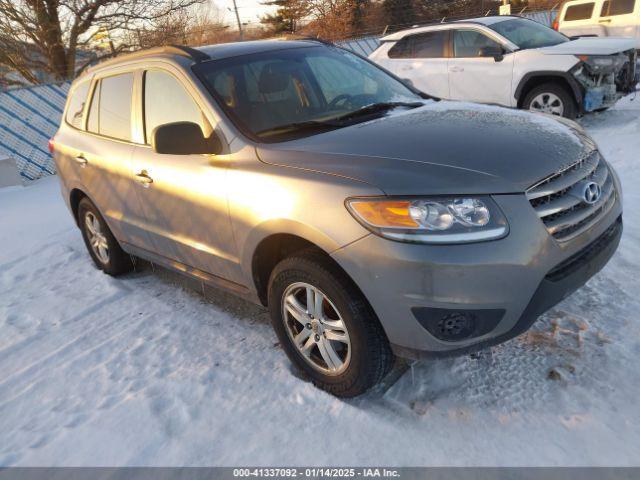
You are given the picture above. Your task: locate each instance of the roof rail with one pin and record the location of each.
(195, 54)
(313, 39)
(455, 20)
(189, 52)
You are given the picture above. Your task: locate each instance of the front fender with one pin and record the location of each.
(273, 227)
(567, 77)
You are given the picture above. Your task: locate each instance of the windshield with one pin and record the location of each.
(527, 33)
(290, 93)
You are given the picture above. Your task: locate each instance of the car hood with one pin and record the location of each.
(441, 148)
(591, 46)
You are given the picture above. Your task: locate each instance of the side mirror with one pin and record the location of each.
(183, 138)
(408, 82)
(494, 51)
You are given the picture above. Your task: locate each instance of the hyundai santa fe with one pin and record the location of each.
(372, 221)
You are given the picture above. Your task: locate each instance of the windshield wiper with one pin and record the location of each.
(335, 122)
(375, 108)
(299, 126)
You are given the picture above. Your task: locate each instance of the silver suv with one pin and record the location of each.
(370, 220)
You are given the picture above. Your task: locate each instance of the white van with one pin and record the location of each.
(601, 18)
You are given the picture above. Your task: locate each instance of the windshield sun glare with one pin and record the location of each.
(290, 93)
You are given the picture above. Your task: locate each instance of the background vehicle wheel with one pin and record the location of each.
(326, 327)
(101, 244)
(551, 98)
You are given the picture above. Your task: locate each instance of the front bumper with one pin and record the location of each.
(603, 89)
(506, 283)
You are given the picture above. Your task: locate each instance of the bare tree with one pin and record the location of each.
(208, 26)
(201, 25)
(171, 29)
(331, 19)
(328, 19)
(46, 35)
(287, 17)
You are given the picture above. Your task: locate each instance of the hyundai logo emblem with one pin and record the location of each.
(591, 193)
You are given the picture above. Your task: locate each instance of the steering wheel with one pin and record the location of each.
(342, 98)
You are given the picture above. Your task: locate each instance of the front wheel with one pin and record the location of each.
(551, 98)
(326, 327)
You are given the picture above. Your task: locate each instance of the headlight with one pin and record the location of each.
(431, 219)
(601, 64)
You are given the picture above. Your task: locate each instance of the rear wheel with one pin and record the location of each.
(100, 242)
(551, 98)
(326, 327)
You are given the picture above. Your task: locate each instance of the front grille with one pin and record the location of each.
(573, 263)
(558, 201)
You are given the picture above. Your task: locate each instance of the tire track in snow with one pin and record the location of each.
(9, 353)
(66, 353)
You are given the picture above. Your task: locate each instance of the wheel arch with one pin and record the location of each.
(275, 242)
(534, 79)
(272, 250)
(75, 197)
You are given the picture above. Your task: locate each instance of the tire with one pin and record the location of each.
(367, 357)
(116, 261)
(553, 90)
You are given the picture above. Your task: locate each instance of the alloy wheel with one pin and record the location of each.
(97, 238)
(316, 328)
(547, 102)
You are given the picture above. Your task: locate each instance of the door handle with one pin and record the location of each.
(143, 178)
(456, 69)
(608, 20)
(80, 159)
(406, 69)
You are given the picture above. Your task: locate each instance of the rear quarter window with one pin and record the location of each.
(110, 111)
(400, 49)
(77, 100)
(581, 11)
(422, 45)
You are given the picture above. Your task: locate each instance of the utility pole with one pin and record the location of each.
(235, 7)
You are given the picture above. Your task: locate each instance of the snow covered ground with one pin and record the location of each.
(144, 370)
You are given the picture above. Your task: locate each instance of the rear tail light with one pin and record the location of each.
(556, 24)
(52, 145)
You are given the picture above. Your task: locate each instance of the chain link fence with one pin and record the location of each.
(29, 117)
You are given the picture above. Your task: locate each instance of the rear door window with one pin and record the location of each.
(467, 43)
(611, 8)
(581, 11)
(110, 111)
(75, 110)
(423, 45)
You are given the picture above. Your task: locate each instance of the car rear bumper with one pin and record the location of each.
(491, 292)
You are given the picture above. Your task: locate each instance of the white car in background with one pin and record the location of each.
(600, 18)
(514, 62)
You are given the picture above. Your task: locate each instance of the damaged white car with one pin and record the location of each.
(514, 62)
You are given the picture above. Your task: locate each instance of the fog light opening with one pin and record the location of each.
(456, 326)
